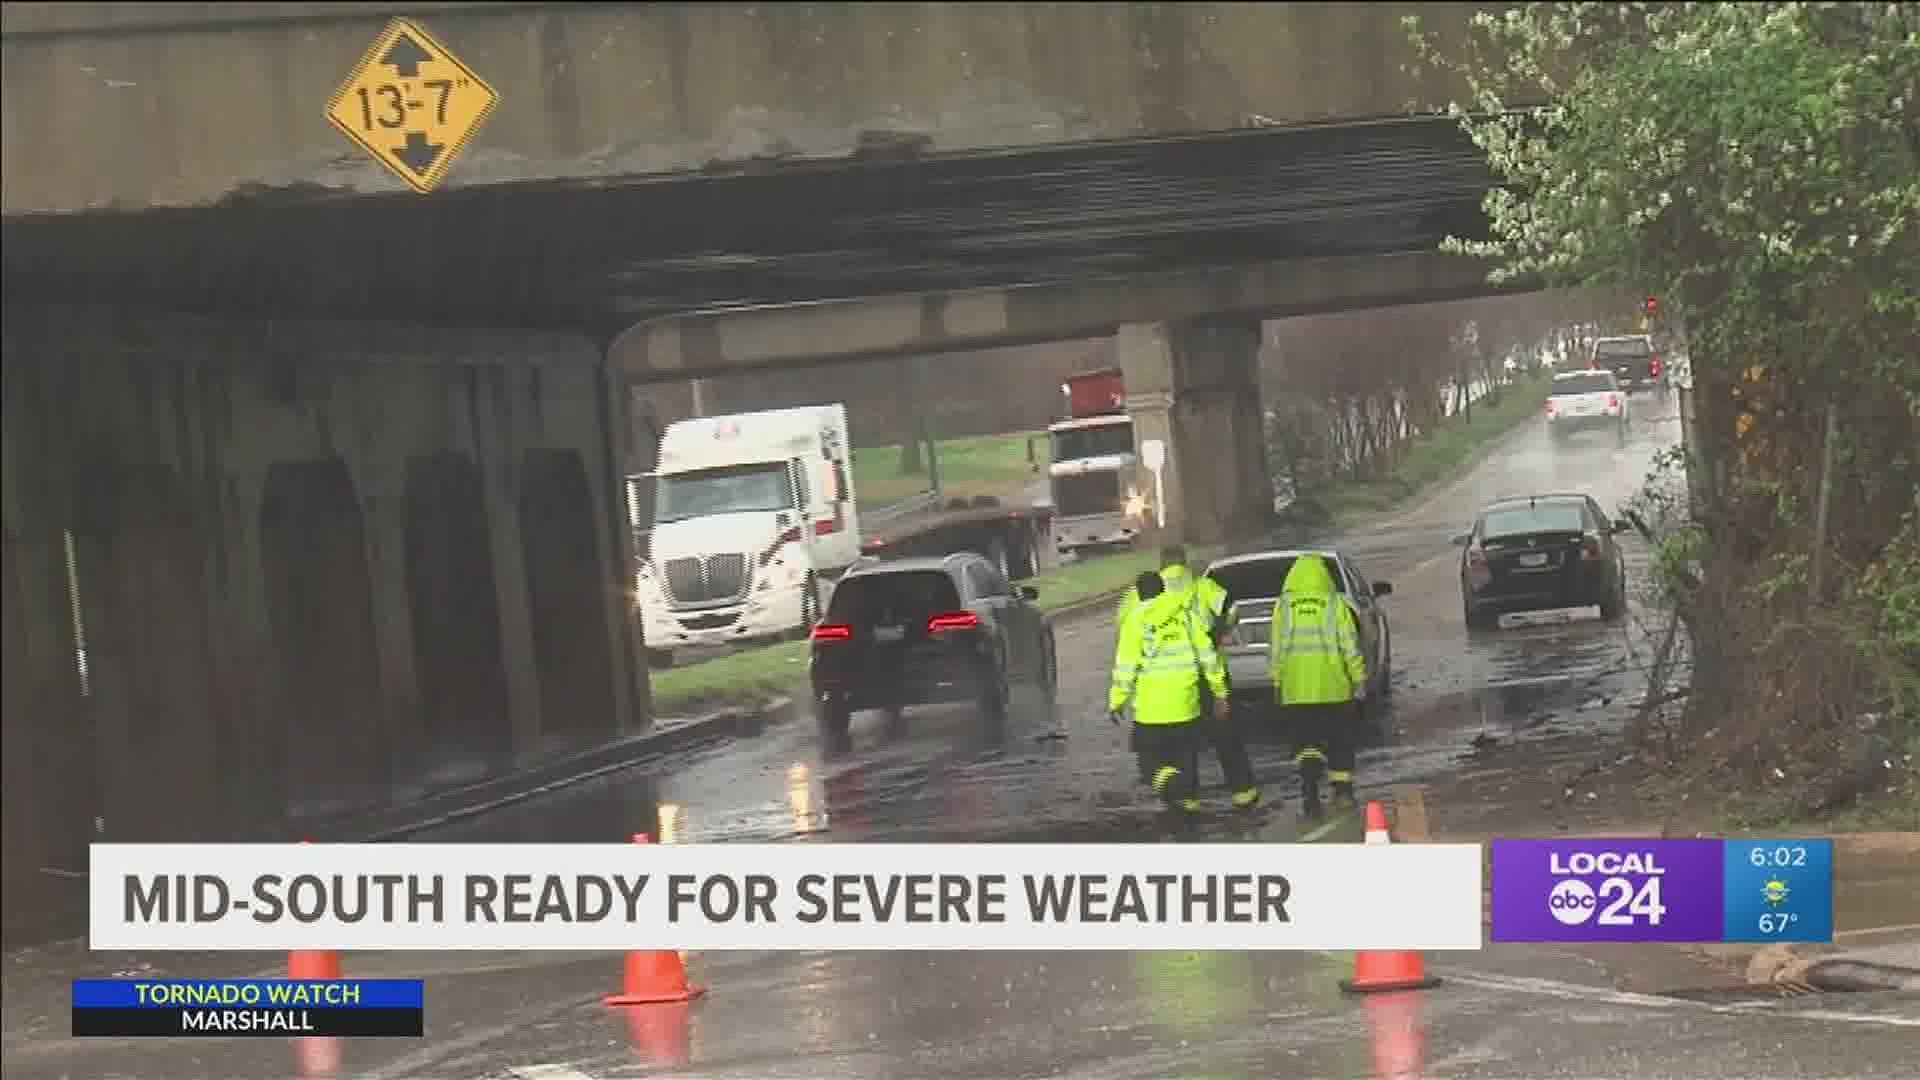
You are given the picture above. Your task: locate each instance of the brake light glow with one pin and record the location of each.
(832, 632)
(1613, 402)
(953, 620)
(791, 536)
(1653, 366)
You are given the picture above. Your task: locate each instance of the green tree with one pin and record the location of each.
(1757, 166)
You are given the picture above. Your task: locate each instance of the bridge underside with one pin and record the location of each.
(600, 256)
(312, 503)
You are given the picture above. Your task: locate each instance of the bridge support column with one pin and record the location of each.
(1195, 386)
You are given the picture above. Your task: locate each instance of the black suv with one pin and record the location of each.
(924, 631)
(1634, 360)
(1538, 552)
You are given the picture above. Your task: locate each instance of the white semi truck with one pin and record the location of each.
(752, 514)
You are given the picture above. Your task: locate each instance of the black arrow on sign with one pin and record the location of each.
(419, 154)
(406, 56)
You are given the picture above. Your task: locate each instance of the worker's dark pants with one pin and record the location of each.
(1158, 747)
(1324, 738)
(1229, 744)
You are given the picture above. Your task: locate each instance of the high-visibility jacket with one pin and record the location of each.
(1163, 657)
(1208, 595)
(1313, 650)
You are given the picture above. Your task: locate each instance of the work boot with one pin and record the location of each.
(1310, 771)
(1343, 796)
(1246, 798)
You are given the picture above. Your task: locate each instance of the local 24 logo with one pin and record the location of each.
(1628, 896)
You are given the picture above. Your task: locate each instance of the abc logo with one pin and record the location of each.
(1571, 901)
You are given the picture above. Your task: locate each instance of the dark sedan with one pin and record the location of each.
(1540, 552)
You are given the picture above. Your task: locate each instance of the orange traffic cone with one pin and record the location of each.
(1399, 1036)
(654, 976)
(1376, 971)
(313, 963)
(662, 1036)
(317, 1055)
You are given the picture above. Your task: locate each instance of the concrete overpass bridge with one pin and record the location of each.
(323, 478)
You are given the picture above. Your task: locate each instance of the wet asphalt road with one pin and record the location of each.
(1508, 1011)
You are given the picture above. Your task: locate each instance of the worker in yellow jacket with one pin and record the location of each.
(1319, 678)
(1163, 662)
(1209, 600)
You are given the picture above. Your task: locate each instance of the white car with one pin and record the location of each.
(1583, 400)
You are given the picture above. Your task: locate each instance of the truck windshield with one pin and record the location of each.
(731, 489)
(1105, 440)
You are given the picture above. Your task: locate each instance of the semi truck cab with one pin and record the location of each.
(752, 513)
(1098, 499)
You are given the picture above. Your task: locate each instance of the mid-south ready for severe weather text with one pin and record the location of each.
(768, 896)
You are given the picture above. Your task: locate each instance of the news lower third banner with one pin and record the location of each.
(1663, 890)
(786, 896)
(239, 1008)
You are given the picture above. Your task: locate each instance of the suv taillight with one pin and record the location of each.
(1653, 366)
(832, 632)
(1613, 402)
(1589, 548)
(953, 620)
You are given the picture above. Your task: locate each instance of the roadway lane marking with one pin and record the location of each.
(1574, 991)
(547, 1072)
(1322, 830)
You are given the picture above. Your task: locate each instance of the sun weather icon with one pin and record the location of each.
(1775, 892)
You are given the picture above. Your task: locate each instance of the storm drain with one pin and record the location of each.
(1827, 977)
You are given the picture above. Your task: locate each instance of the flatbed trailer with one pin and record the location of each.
(1018, 539)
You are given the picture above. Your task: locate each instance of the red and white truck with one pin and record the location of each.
(1099, 500)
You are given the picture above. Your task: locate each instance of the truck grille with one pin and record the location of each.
(1087, 493)
(706, 579)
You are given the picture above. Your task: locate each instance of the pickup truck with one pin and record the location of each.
(1633, 360)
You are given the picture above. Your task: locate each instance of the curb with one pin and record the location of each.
(1844, 975)
(1086, 605)
(665, 736)
(1851, 844)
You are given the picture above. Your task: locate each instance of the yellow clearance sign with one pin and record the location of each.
(412, 105)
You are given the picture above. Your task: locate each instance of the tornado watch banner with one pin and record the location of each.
(1663, 890)
(785, 896)
(228, 1008)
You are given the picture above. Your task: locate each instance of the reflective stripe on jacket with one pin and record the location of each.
(1313, 652)
(1162, 656)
